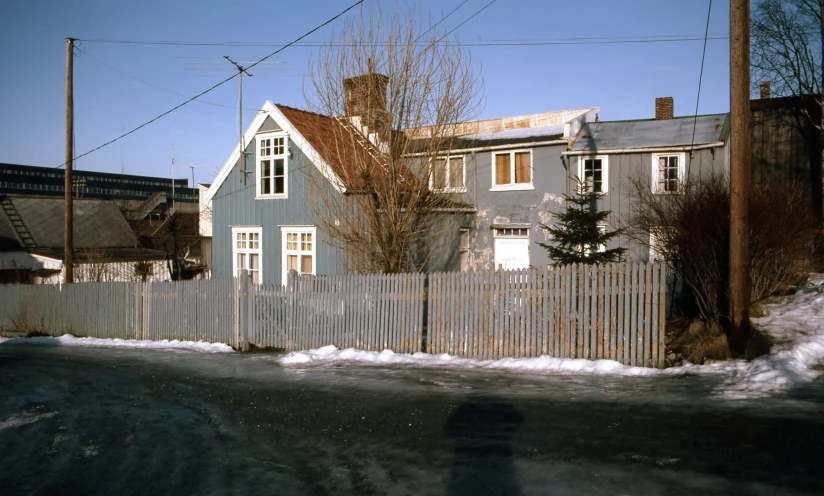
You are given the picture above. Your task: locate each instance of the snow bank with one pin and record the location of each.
(797, 324)
(387, 357)
(69, 340)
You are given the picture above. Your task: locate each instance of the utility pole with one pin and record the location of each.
(740, 176)
(241, 146)
(68, 242)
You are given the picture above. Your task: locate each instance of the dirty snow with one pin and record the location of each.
(797, 323)
(69, 340)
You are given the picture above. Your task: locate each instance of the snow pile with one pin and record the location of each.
(331, 353)
(69, 340)
(797, 324)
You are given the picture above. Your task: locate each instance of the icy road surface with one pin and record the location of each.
(77, 420)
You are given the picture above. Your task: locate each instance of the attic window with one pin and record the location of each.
(270, 167)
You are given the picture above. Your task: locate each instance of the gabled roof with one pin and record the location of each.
(651, 133)
(309, 131)
(338, 143)
(97, 224)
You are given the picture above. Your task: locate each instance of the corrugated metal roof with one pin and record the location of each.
(542, 132)
(651, 133)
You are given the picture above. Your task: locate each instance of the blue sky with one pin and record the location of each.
(119, 86)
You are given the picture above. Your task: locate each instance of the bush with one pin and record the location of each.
(691, 232)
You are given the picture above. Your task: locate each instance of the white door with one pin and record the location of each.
(512, 253)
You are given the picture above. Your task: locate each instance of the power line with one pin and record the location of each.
(85, 54)
(467, 19)
(493, 43)
(700, 79)
(217, 85)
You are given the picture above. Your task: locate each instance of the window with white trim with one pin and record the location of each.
(512, 170)
(464, 248)
(298, 250)
(594, 171)
(668, 172)
(270, 169)
(511, 248)
(448, 174)
(246, 251)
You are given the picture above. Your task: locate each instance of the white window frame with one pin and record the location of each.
(682, 164)
(512, 186)
(258, 159)
(449, 188)
(604, 170)
(522, 236)
(246, 250)
(284, 230)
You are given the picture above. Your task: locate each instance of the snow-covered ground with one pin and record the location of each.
(69, 340)
(796, 323)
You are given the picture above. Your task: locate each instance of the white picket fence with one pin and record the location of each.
(612, 311)
(191, 311)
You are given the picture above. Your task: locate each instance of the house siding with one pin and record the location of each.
(623, 168)
(531, 207)
(235, 205)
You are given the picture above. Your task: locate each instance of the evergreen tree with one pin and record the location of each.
(576, 236)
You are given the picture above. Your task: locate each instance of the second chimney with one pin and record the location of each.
(664, 108)
(764, 86)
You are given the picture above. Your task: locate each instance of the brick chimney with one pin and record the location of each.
(365, 98)
(764, 86)
(664, 108)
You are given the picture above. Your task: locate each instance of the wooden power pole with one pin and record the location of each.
(740, 175)
(68, 261)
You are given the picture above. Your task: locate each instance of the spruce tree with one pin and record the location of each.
(576, 236)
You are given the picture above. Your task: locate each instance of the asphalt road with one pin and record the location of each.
(113, 421)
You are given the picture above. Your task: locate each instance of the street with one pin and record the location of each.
(121, 421)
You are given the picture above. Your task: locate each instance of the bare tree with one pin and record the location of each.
(95, 266)
(786, 50)
(393, 85)
(691, 232)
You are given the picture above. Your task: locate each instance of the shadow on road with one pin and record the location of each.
(483, 427)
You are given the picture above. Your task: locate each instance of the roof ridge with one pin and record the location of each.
(653, 119)
(280, 105)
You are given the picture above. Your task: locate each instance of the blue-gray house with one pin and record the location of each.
(258, 201)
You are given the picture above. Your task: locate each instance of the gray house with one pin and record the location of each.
(510, 169)
(663, 152)
(505, 175)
